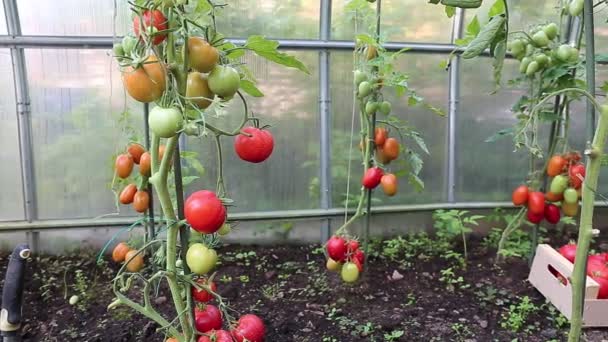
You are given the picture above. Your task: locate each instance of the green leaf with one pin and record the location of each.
(497, 8)
(416, 182)
(365, 39)
(250, 88)
(450, 11)
(497, 64)
(268, 49)
(485, 37)
(501, 134)
(604, 87)
(433, 2)
(419, 141)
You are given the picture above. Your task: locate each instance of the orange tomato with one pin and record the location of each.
(380, 136)
(391, 148)
(120, 251)
(556, 165)
(389, 184)
(123, 165)
(141, 201)
(570, 209)
(551, 197)
(201, 55)
(197, 89)
(147, 82)
(134, 260)
(127, 194)
(381, 156)
(135, 150)
(520, 195)
(145, 164)
(371, 52)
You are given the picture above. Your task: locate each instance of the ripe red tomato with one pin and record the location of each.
(600, 258)
(135, 150)
(205, 212)
(141, 201)
(216, 336)
(336, 248)
(358, 263)
(359, 255)
(603, 292)
(353, 245)
(255, 148)
(202, 296)
(536, 203)
(597, 268)
(127, 194)
(380, 136)
(123, 165)
(552, 213)
(372, 177)
(556, 165)
(154, 21)
(535, 218)
(574, 173)
(207, 319)
(568, 251)
(520, 195)
(250, 328)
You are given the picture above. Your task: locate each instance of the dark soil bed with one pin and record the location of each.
(299, 301)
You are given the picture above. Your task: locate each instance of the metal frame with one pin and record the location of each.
(17, 42)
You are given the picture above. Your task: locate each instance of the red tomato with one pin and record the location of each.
(216, 336)
(568, 251)
(574, 173)
(603, 292)
(596, 267)
(336, 248)
(353, 245)
(205, 212)
(202, 296)
(254, 148)
(154, 21)
(124, 165)
(536, 203)
(535, 218)
(359, 264)
(135, 150)
(556, 165)
(359, 255)
(380, 136)
(552, 213)
(127, 194)
(207, 319)
(372, 177)
(249, 327)
(520, 195)
(599, 258)
(391, 148)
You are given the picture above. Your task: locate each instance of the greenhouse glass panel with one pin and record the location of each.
(74, 17)
(3, 28)
(429, 24)
(431, 82)
(271, 18)
(290, 106)
(78, 124)
(11, 205)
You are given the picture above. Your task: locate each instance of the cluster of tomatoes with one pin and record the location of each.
(123, 252)
(387, 150)
(344, 256)
(565, 188)
(597, 268)
(539, 50)
(208, 319)
(124, 165)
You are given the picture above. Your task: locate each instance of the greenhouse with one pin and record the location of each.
(301, 170)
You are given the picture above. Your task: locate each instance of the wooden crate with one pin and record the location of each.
(548, 264)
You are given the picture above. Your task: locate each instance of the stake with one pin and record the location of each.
(150, 231)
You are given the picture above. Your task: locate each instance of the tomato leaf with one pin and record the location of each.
(450, 11)
(497, 64)
(433, 2)
(501, 134)
(366, 39)
(268, 49)
(250, 88)
(497, 8)
(486, 36)
(472, 31)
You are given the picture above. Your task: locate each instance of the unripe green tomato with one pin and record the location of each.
(224, 81)
(371, 107)
(128, 44)
(571, 196)
(359, 77)
(385, 107)
(530, 49)
(200, 258)
(350, 272)
(532, 69)
(225, 229)
(74, 300)
(563, 52)
(333, 265)
(573, 54)
(518, 47)
(540, 38)
(179, 263)
(365, 88)
(559, 184)
(165, 122)
(523, 66)
(551, 30)
(576, 7)
(541, 59)
(191, 129)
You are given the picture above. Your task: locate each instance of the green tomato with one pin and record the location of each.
(576, 7)
(385, 107)
(200, 259)
(541, 59)
(350, 272)
(165, 122)
(225, 229)
(359, 77)
(224, 81)
(371, 107)
(74, 300)
(532, 69)
(571, 196)
(523, 66)
(518, 47)
(551, 30)
(365, 88)
(573, 54)
(541, 39)
(530, 49)
(118, 50)
(128, 44)
(563, 53)
(191, 129)
(559, 184)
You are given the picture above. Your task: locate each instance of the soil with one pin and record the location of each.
(300, 301)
